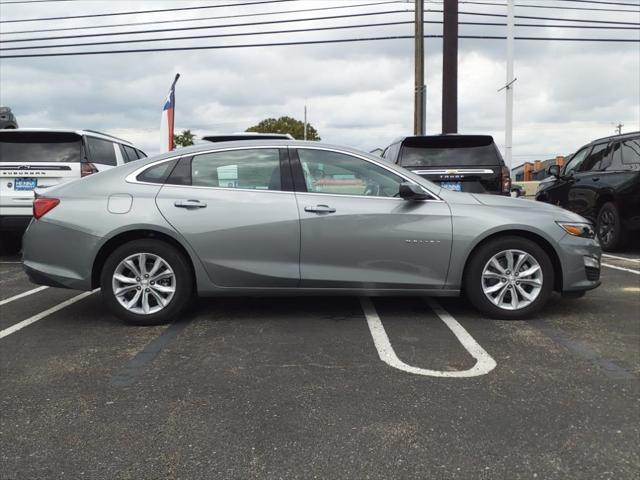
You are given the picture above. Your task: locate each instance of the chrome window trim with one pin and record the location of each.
(379, 164)
(131, 178)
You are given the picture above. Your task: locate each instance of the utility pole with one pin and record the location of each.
(450, 67)
(508, 129)
(619, 128)
(420, 94)
(305, 121)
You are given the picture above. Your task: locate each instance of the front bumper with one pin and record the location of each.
(580, 259)
(58, 256)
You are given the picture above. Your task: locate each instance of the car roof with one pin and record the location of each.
(86, 132)
(276, 143)
(615, 137)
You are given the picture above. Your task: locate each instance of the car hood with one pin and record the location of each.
(530, 205)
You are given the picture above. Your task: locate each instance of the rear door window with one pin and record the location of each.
(631, 151)
(39, 147)
(254, 169)
(101, 151)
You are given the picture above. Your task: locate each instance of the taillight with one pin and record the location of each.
(87, 168)
(505, 180)
(42, 205)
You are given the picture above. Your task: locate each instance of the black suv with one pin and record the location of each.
(463, 163)
(601, 182)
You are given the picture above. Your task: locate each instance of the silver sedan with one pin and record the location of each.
(288, 217)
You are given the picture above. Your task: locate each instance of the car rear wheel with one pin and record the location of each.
(609, 227)
(147, 282)
(509, 278)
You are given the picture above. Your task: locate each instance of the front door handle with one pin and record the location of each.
(320, 209)
(190, 204)
(595, 179)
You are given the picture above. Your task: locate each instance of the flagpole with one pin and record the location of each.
(171, 144)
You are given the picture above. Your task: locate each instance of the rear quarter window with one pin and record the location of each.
(101, 151)
(157, 173)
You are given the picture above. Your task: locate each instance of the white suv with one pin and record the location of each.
(38, 158)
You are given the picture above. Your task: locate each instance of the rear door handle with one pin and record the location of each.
(320, 209)
(595, 179)
(190, 204)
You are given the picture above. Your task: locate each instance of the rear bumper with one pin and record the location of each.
(57, 256)
(14, 223)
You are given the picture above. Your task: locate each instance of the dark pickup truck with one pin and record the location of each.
(601, 182)
(463, 163)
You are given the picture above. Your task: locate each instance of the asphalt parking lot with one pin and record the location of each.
(321, 387)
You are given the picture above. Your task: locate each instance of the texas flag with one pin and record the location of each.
(166, 121)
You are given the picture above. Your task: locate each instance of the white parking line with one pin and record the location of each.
(22, 295)
(10, 263)
(635, 260)
(25, 323)
(630, 270)
(484, 362)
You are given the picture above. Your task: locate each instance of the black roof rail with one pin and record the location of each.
(107, 135)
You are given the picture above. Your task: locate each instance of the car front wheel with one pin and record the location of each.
(509, 278)
(147, 282)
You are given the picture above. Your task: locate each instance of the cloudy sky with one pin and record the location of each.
(358, 94)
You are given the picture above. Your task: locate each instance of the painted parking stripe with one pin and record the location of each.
(630, 270)
(628, 259)
(484, 362)
(25, 323)
(22, 295)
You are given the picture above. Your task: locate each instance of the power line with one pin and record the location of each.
(310, 42)
(177, 29)
(272, 22)
(555, 7)
(200, 19)
(298, 30)
(601, 2)
(139, 12)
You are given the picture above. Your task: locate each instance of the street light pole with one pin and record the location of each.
(419, 107)
(450, 67)
(508, 130)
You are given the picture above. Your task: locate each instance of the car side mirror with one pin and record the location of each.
(554, 171)
(411, 191)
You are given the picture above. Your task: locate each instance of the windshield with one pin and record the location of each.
(30, 147)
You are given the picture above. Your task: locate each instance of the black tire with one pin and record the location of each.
(609, 228)
(476, 264)
(184, 284)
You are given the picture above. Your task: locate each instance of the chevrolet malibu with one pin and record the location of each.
(298, 218)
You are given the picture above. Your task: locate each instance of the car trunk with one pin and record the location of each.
(30, 160)
(470, 163)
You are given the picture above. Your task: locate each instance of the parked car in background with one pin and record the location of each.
(37, 158)
(602, 183)
(462, 163)
(7, 118)
(231, 137)
(298, 218)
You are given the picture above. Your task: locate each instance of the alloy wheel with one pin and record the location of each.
(512, 279)
(144, 283)
(606, 226)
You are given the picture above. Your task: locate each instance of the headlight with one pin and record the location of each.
(584, 230)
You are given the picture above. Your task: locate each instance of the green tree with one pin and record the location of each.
(289, 125)
(184, 139)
